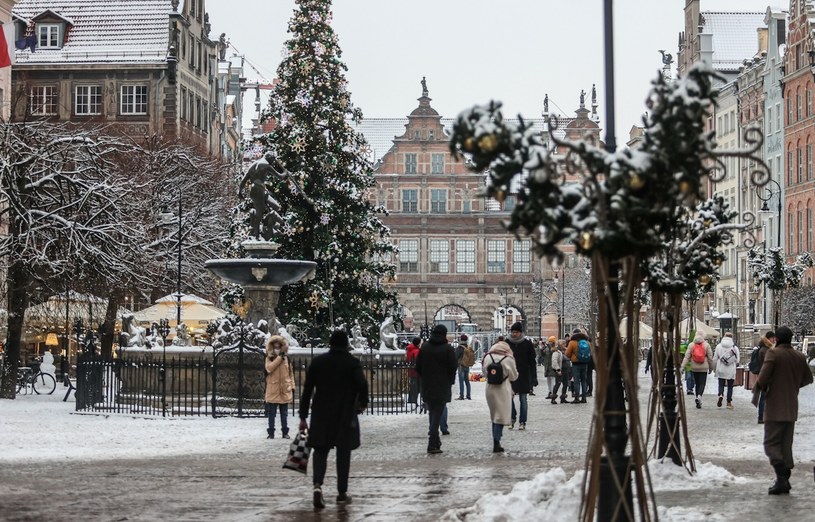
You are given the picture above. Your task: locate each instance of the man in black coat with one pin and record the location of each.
(436, 366)
(525, 360)
(340, 391)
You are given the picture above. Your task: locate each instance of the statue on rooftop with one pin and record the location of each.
(424, 86)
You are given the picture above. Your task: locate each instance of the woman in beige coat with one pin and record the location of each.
(499, 396)
(279, 383)
(700, 366)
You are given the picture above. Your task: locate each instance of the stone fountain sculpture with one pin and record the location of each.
(261, 275)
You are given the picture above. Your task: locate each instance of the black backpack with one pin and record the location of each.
(755, 361)
(495, 372)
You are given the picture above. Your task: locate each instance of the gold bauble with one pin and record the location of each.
(704, 279)
(707, 223)
(586, 240)
(717, 262)
(685, 187)
(500, 196)
(469, 144)
(487, 143)
(636, 182)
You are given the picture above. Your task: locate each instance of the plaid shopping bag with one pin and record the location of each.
(298, 454)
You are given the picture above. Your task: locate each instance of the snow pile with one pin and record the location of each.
(549, 496)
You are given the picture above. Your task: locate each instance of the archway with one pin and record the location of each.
(452, 312)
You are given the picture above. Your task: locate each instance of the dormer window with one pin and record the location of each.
(48, 36)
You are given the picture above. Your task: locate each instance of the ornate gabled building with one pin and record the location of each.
(456, 260)
(138, 67)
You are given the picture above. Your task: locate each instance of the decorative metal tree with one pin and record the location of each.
(619, 208)
(768, 267)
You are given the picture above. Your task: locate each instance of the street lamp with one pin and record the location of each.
(765, 194)
(561, 316)
(163, 331)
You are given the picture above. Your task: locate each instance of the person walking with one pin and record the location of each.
(499, 396)
(725, 361)
(700, 356)
(784, 372)
(411, 352)
(579, 352)
(756, 361)
(465, 356)
(557, 369)
(686, 370)
(279, 384)
(340, 392)
(436, 366)
(547, 352)
(524, 352)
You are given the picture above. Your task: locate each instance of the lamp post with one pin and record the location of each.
(765, 194)
(178, 275)
(163, 331)
(561, 316)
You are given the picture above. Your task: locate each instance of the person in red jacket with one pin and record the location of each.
(411, 352)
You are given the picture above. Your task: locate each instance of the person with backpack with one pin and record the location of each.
(547, 352)
(700, 356)
(579, 352)
(756, 361)
(725, 361)
(524, 352)
(683, 349)
(501, 372)
(466, 359)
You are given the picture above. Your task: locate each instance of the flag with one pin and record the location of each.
(6, 56)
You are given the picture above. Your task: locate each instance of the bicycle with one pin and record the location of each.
(41, 383)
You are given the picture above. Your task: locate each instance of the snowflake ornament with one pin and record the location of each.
(299, 145)
(288, 230)
(324, 219)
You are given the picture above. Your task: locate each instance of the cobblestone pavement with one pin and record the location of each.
(392, 478)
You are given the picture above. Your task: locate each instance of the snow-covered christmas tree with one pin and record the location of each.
(769, 268)
(327, 215)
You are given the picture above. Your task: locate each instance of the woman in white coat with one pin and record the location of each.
(725, 361)
(499, 396)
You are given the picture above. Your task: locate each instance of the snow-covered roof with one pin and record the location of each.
(185, 298)
(380, 132)
(734, 36)
(113, 31)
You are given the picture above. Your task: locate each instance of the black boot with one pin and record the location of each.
(496, 446)
(270, 432)
(286, 433)
(782, 483)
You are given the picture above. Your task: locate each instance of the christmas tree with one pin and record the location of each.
(326, 211)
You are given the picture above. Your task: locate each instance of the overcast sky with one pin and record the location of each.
(472, 51)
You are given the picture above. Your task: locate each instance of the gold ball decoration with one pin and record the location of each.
(717, 261)
(707, 223)
(704, 279)
(488, 143)
(636, 182)
(685, 187)
(586, 240)
(500, 196)
(469, 144)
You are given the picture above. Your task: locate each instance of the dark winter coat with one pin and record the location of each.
(524, 353)
(784, 372)
(436, 366)
(763, 346)
(340, 390)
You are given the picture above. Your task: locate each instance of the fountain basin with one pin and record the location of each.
(261, 271)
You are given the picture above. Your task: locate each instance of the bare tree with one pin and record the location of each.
(798, 311)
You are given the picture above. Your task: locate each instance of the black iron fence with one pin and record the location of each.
(230, 383)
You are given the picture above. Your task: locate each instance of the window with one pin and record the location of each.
(410, 200)
(809, 230)
(192, 51)
(509, 203)
(769, 120)
(409, 255)
(800, 177)
(790, 167)
(798, 107)
(778, 116)
(789, 111)
(800, 231)
(437, 164)
(496, 256)
(790, 234)
(184, 104)
(410, 163)
(521, 256)
(465, 206)
(42, 100)
(439, 256)
(465, 256)
(809, 161)
(438, 201)
(48, 36)
(809, 102)
(88, 99)
(133, 99)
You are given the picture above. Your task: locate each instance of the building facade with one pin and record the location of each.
(138, 67)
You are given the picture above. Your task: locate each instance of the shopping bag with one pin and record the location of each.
(298, 454)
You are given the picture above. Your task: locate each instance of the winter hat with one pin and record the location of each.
(517, 327)
(577, 331)
(463, 338)
(440, 329)
(338, 339)
(552, 339)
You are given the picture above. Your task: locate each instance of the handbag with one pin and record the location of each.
(298, 454)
